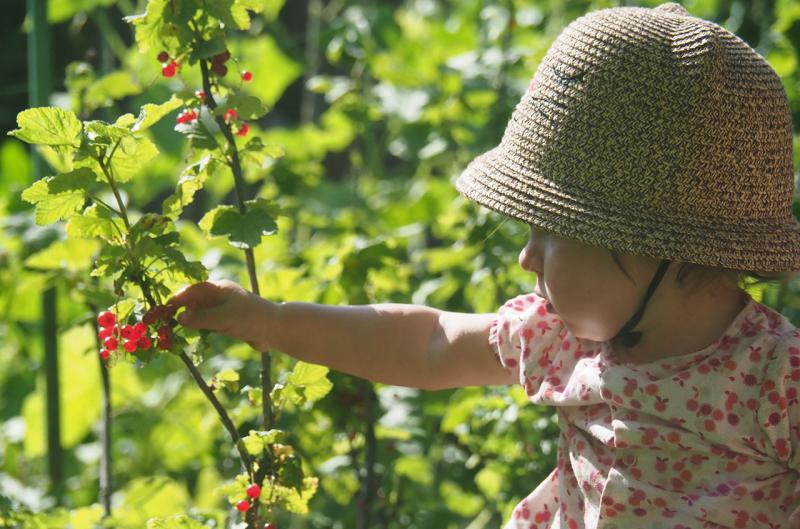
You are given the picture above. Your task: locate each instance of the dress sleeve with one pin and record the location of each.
(523, 334)
(779, 408)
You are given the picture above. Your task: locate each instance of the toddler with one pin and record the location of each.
(652, 158)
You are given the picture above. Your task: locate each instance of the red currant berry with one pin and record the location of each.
(149, 317)
(168, 69)
(128, 332)
(254, 491)
(169, 310)
(270, 525)
(199, 94)
(104, 333)
(106, 319)
(130, 346)
(164, 332)
(144, 343)
(222, 58)
(244, 129)
(163, 56)
(111, 343)
(104, 354)
(230, 114)
(247, 76)
(164, 344)
(219, 69)
(140, 329)
(243, 506)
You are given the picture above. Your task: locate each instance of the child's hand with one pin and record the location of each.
(225, 308)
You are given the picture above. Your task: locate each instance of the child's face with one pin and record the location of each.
(585, 286)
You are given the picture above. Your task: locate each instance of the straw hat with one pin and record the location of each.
(654, 132)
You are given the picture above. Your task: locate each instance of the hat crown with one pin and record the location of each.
(640, 108)
(663, 121)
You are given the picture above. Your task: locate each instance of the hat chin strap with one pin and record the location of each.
(626, 335)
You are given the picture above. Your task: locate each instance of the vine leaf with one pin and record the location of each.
(243, 230)
(190, 182)
(96, 222)
(307, 383)
(47, 126)
(59, 197)
(150, 114)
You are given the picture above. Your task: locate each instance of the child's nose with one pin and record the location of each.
(529, 258)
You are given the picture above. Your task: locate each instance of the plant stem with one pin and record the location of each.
(266, 408)
(223, 415)
(105, 460)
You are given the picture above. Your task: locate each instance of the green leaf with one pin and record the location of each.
(109, 88)
(189, 183)
(96, 222)
(460, 501)
(59, 197)
(150, 114)
(62, 10)
(240, 8)
(74, 255)
(416, 468)
(243, 231)
(227, 378)
(308, 383)
(130, 157)
(178, 521)
(149, 24)
(247, 107)
(208, 48)
(47, 126)
(260, 153)
(257, 440)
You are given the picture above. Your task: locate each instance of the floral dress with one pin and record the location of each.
(709, 439)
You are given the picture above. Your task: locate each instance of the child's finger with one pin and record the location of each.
(198, 295)
(210, 319)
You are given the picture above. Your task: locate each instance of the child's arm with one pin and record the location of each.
(398, 344)
(461, 355)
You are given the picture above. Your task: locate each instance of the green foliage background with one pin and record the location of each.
(405, 94)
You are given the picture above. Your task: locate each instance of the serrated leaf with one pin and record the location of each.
(208, 48)
(96, 222)
(73, 255)
(150, 114)
(240, 14)
(130, 156)
(190, 182)
(47, 126)
(228, 378)
(243, 231)
(59, 197)
(308, 383)
(109, 88)
(104, 133)
(247, 107)
(149, 24)
(260, 153)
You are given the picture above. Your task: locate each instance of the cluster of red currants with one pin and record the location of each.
(231, 116)
(253, 492)
(169, 66)
(137, 336)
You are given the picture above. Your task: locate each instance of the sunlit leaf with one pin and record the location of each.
(47, 126)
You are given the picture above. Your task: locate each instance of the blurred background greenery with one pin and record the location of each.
(379, 105)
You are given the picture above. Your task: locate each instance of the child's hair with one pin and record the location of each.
(703, 275)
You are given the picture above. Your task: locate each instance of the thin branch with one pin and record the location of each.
(223, 415)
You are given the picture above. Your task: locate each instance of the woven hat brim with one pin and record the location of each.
(497, 181)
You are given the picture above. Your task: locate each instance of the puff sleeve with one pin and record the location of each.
(523, 335)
